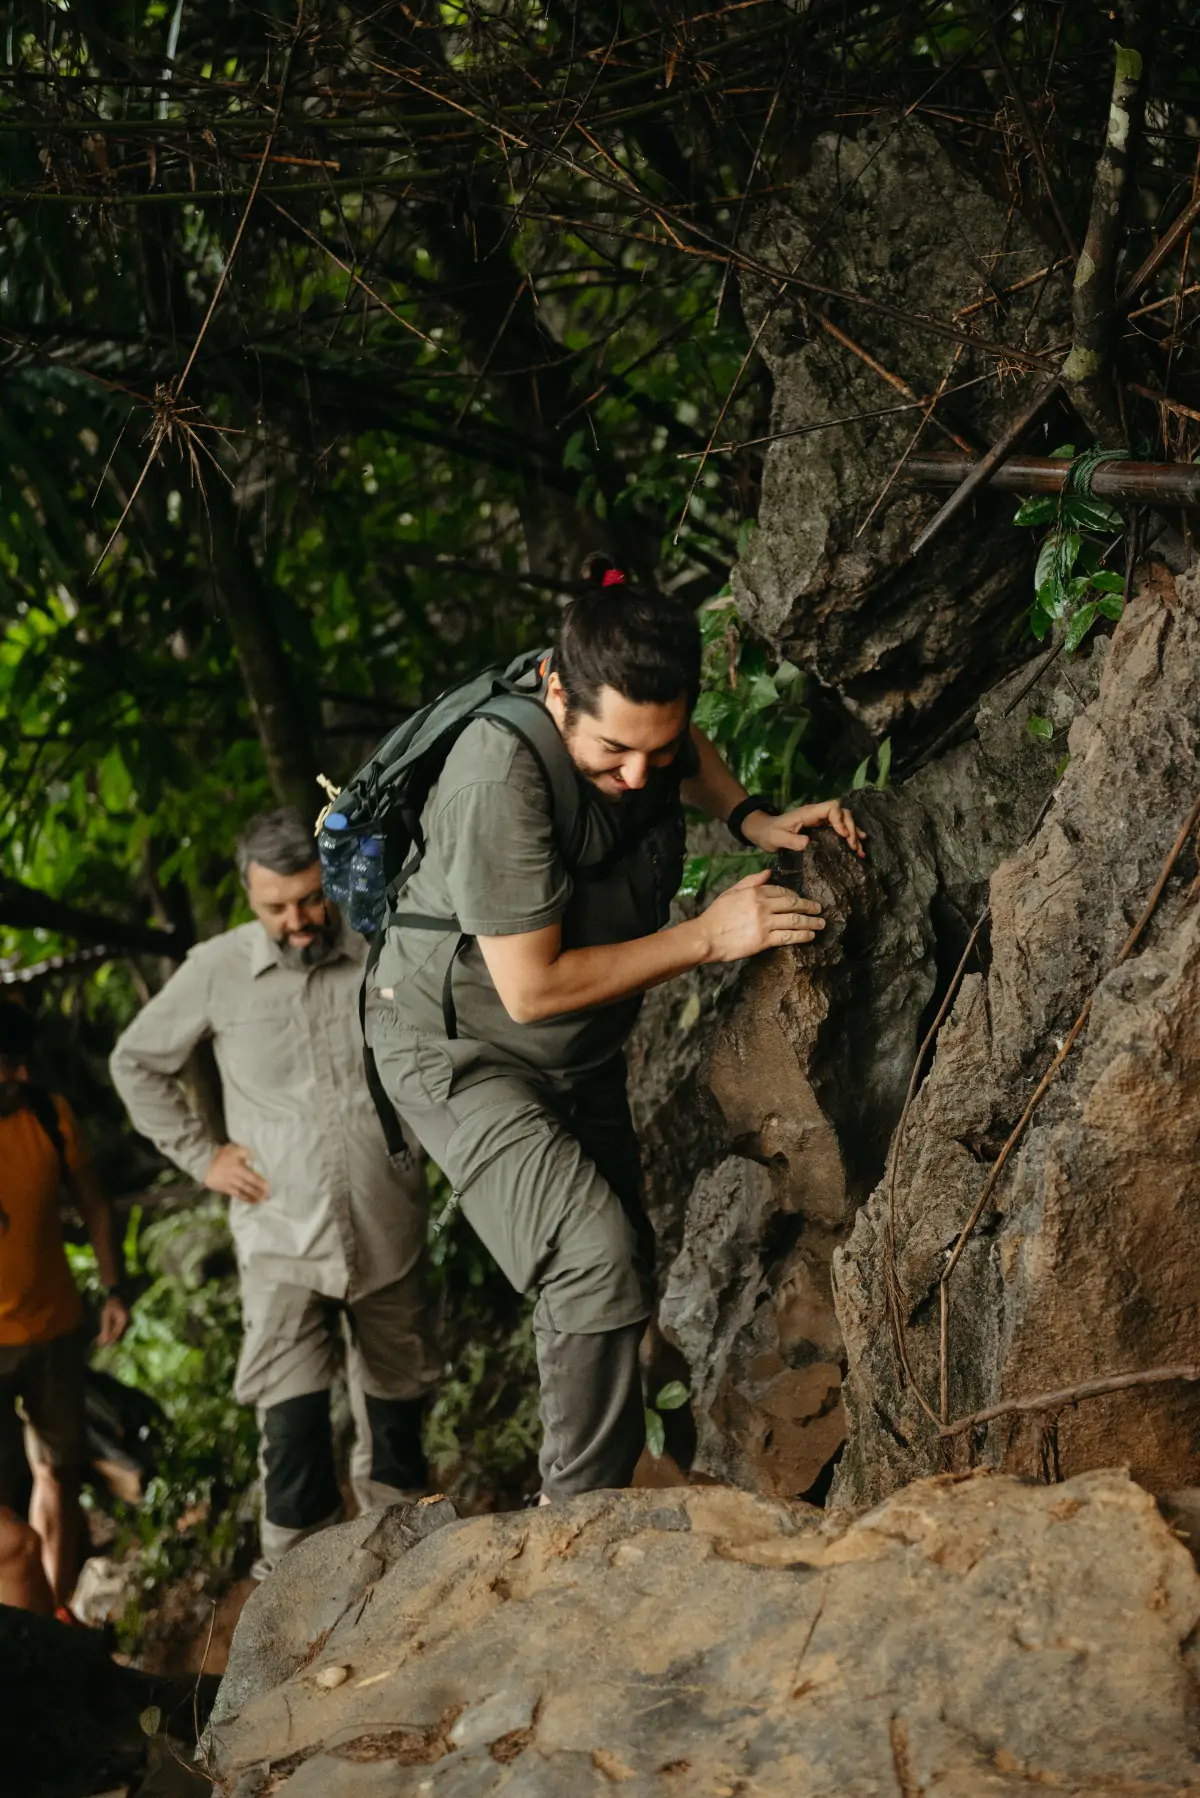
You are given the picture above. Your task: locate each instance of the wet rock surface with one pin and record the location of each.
(971, 1637)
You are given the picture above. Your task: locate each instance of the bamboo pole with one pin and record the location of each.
(1146, 483)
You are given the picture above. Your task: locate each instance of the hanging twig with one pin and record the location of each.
(1032, 137)
(1188, 1372)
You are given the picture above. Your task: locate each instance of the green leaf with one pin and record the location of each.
(1091, 514)
(789, 679)
(1041, 509)
(1111, 605)
(1108, 582)
(656, 1435)
(1065, 453)
(884, 762)
(860, 774)
(1080, 625)
(761, 693)
(1063, 766)
(1070, 544)
(696, 871)
(1039, 622)
(673, 1395)
(574, 451)
(1039, 728)
(1043, 568)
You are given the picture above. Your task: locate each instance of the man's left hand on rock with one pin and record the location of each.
(789, 830)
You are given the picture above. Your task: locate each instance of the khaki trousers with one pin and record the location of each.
(295, 1341)
(548, 1176)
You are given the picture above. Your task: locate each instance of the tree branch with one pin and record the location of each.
(1087, 372)
(24, 908)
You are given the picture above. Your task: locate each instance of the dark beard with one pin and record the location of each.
(314, 953)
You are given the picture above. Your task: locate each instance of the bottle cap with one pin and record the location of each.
(335, 821)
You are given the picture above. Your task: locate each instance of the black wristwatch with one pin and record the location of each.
(753, 802)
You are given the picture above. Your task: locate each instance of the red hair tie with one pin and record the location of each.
(613, 578)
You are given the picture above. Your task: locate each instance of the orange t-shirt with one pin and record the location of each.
(38, 1297)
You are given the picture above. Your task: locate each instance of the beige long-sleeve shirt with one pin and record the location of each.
(339, 1218)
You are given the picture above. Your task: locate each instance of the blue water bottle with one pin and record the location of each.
(336, 846)
(368, 887)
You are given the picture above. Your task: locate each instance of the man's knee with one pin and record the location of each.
(397, 1458)
(598, 1277)
(22, 1579)
(299, 1481)
(20, 1546)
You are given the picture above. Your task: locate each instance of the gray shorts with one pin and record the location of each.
(48, 1381)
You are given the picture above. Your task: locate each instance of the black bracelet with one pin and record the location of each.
(754, 802)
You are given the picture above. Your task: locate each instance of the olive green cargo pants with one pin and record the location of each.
(548, 1177)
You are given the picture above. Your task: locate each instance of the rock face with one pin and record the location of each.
(887, 214)
(767, 1123)
(974, 1638)
(1084, 1263)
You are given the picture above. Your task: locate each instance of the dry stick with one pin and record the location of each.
(1072, 1037)
(901, 386)
(896, 1298)
(1158, 255)
(911, 445)
(1168, 299)
(1006, 293)
(356, 278)
(258, 175)
(830, 424)
(159, 430)
(1031, 135)
(1057, 1401)
(1160, 399)
(987, 463)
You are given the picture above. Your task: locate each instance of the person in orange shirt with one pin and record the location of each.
(43, 1342)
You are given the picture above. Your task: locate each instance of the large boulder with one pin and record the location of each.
(767, 1101)
(888, 214)
(971, 1637)
(1083, 1264)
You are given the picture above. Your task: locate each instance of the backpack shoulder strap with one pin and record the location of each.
(527, 718)
(42, 1105)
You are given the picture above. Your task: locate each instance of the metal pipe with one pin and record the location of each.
(1138, 483)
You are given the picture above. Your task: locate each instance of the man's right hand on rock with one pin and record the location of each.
(231, 1171)
(755, 915)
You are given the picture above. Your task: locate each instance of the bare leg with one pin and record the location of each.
(22, 1579)
(56, 1515)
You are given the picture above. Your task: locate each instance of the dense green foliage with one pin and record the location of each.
(331, 339)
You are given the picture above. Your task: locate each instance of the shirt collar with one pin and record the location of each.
(265, 954)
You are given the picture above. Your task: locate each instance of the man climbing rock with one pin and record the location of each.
(329, 1229)
(509, 981)
(43, 1338)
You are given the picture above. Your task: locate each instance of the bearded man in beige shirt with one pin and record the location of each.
(329, 1227)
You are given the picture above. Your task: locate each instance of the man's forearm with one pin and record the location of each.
(159, 1109)
(714, 789)
(96, 1210)
(581, 979)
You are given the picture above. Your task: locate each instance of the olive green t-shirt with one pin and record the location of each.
(492, 862)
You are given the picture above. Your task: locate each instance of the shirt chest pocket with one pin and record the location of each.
(264, 1045)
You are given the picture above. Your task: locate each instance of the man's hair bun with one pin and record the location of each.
(598, 570)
